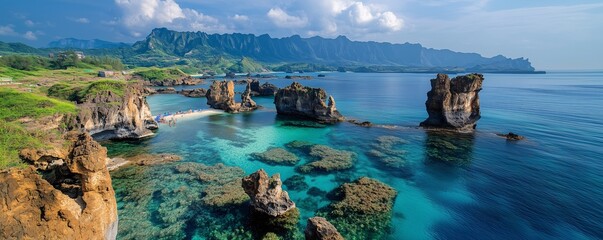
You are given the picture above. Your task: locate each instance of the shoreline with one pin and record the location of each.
(164, 119)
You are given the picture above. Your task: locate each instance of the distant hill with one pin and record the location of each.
(72, 43)
(338, 51)
(6, 48)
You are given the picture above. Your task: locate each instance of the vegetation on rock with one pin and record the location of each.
(276, 156)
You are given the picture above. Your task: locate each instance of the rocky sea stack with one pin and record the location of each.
(267, 195)
(65, 193)
(115, 114)
(266, 89)
(454, 104)
(221, 96)
(307, 102)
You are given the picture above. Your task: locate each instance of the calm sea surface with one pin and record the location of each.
(549, 186)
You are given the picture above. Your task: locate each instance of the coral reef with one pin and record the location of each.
(387, 153)
(449, 147)
(362, 208)
(296, 183)
(326, 159)
(277, 156)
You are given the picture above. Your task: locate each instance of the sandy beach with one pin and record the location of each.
(190, 115)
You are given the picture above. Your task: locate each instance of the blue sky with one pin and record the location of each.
(553, 34)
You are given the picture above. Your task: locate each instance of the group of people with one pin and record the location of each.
(172, 120)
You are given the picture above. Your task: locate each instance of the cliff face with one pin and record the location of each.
(307, 102)
(266, 89)
(221, 96)
(454, 104)
(66, 193)
(109, 115)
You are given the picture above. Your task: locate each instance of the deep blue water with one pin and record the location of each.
(549, 186)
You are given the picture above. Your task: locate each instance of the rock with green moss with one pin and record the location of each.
(361, 209)
(327, 159)
(276, 156)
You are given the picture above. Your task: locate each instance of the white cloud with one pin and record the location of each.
(7, 30)
(29, 35)
(240, 18)
(282, 19)
(82, 20)
(389, 20)
(142, 15)
(29, 23)
(360, 14)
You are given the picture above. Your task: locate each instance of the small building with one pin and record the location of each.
(106, 74)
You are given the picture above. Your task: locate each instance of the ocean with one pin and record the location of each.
(450, 186)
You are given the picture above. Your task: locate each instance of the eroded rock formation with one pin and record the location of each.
(307, 102)
(267, 195)
(266, 89)
(318, 228)
(221, 96)
(454, 104)
(65, 193)
(193, 93)
(112, 115)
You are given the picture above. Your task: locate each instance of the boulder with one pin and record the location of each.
(67, 196)
(267, 195)
(318, 228)
(297, 100)
(221, 96)
(193, 93)
(247, 104)
(454, 104)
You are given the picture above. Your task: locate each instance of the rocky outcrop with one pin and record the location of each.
(193, 93)
(307, 102)
(267, 195)
(115, 115)
(65, 193)
(266, 89)
(221, 96)
(318, 228)
(185, 80)
(454, 104)
(511, 136)
(169, 90)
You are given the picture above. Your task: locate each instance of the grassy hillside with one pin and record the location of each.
(14, 136)
(82, 91)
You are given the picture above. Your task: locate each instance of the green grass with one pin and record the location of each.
(80, 92)
(15, 105)
(156, 74)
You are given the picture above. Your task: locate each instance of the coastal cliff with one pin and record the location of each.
(64, 193)
(220, 95)
(454, 104)
(119, 113)
(298, 100)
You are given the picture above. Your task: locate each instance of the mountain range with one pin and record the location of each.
(226, 52)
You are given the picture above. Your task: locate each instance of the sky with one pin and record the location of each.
(553, 34)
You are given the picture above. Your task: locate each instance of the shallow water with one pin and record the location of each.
(547, 186)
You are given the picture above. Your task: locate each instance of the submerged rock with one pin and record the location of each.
(327, 159)
(511, 136)
(318, 228)
(362, 209)
(454, 104)
(221, 96)
(276, 156)
(296, 183)
(67, 196)
(449, 147)
(387, 153)
(266, 194)
(297, 100)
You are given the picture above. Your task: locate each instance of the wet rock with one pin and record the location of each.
(362, 209)
(454, 104)
(277, 156)
(71, 197)
(108, 115)
(297, 100)
(169, 90)
(266, 194)
(318, 228)
(362, 124)
(511, 136)
(193, 93)
(296, 183)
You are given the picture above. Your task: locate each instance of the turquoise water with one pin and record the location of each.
(549, 186)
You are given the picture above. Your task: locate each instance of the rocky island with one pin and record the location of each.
(221, 96)
(298, 100)
(454, 104)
